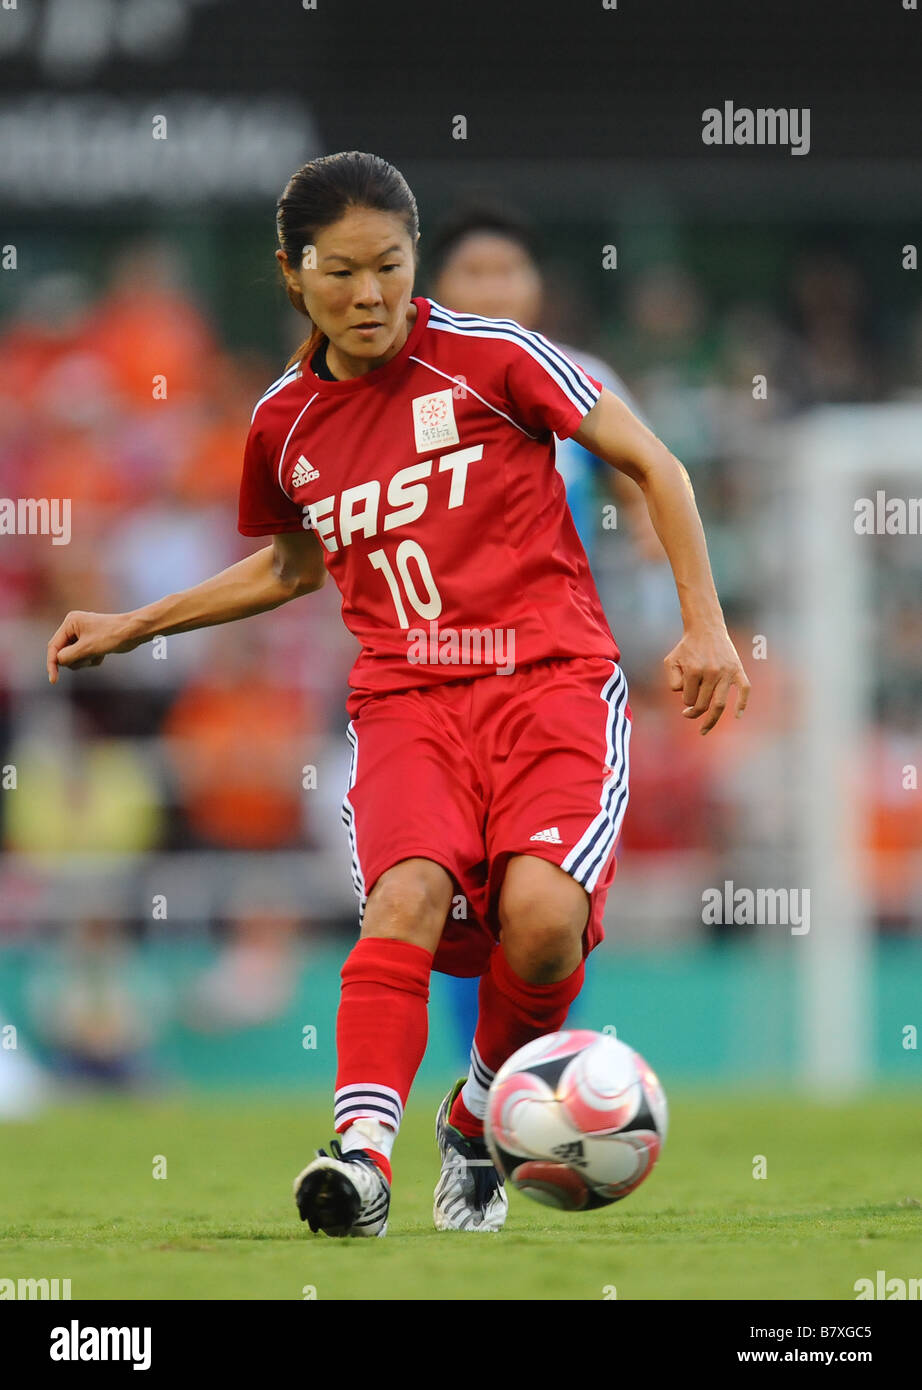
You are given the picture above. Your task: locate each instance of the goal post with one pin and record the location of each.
(836, 455)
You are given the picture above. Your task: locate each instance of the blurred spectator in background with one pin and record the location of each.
(666, 333)
(894, 832)
(79, 794)
(23, 1086)
(148, 331)
(237, 739)
(96, 1007)
(254, 979)
(673, 798)
(840, 358)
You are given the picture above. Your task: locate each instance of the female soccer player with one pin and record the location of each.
(408, 452)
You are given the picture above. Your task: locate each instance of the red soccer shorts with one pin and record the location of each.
(471, 772)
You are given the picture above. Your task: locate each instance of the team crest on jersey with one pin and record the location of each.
(303, 473)
(434, 420)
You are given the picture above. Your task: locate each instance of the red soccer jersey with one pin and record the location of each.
(431, 483)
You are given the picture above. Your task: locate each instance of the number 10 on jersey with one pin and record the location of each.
(427, 604)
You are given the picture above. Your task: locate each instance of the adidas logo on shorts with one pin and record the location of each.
(551, 837)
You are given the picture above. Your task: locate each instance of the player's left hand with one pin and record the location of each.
(704, 666)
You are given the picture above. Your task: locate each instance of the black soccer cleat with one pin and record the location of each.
(343, 1194)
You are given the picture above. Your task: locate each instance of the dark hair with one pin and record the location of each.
(320, 193)
(476, 215)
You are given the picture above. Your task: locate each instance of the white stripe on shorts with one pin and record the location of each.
(348, 815)
(589, 855)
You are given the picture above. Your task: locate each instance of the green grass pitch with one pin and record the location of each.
(840, 1201)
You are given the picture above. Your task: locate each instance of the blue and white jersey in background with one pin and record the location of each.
(578, 468)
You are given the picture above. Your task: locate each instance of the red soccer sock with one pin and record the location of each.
(381, 1032)
(462, 1119)
(383, 1163)
(512, 1013)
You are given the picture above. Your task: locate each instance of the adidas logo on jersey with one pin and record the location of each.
(551, 837)
(303, 473)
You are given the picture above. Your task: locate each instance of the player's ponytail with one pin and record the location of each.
(319, 194)
(307, 349)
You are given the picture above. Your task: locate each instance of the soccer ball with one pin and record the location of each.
(575, 1120)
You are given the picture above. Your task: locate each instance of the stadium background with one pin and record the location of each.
(174, 904)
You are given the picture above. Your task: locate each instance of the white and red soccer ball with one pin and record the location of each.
(575, 1120)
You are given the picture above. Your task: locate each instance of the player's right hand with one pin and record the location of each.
(85, 639)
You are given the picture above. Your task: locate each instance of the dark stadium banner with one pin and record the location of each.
(247, 85)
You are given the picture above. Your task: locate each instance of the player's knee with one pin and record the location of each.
(409, 903)
(544, 955)
(541, 897)
(542, 913)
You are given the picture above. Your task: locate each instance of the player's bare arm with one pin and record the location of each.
(704, 666)
(291, 566)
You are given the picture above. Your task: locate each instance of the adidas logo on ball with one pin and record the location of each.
(575, 1120)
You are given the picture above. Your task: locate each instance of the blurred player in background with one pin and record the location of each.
(484, 261)
(409, 452)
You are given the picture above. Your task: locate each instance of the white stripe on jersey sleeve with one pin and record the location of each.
(608, 377)
(571, 379)
(276, 386)
(288, 441)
